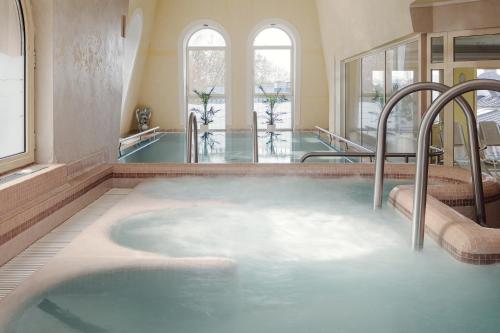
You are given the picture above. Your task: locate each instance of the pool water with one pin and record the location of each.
(231, 147)
(311, 255)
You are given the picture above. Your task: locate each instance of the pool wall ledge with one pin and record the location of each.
(464, 239)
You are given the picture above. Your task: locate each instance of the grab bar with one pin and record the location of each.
(420, 198)
(192, 131)
(342, 139)
(138, 135)
(361, 154)
(382, 136)
(255, 138)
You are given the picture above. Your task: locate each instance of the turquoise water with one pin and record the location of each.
(311, 255)
(231, 147)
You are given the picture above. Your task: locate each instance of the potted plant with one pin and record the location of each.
(206, 114)
(273, 100)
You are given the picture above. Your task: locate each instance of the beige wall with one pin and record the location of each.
(148, 9)
(82, 43)
(44, 82)
(350, 27)
(455, 15)
(162, 79)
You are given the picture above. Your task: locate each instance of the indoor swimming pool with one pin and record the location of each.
(231, 147)
(302, 255)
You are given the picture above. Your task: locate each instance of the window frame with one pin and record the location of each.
(295, 70)
(188, 33)
(27, 157)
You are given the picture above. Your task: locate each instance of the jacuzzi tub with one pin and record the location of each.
(310, 255)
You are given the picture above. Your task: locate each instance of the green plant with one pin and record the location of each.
(272, 101)
(207, 115)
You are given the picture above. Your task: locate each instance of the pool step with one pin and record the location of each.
(40, 253)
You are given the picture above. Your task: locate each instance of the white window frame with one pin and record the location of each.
(295, 74)
(28, 157)
(183, 73)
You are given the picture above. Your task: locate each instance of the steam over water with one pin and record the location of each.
(311, 256)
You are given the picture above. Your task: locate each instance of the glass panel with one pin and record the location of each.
(273, 74)
(273, 37)
(353, 101)
(217, 104)
(402, 70)
(461, 151)
(372, 96)
(207, 38)
(437, 76)
(206, 73)
(12, 110)
(473, 48)
(437, 50)
(488, 102)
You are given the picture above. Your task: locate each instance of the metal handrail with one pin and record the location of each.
(192, 131)
(361, 154)
(382, 137)
(420, 198)
(343, 140)
(138, 135)
(255, 138)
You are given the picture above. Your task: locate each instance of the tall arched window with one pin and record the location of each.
(12, 78)
(273, 71)
(206, 60)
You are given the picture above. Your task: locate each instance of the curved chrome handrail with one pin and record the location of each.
(192, 131)
(343, 140)
(360, 154)
(382, 137)
(135, 136)
(420, 197)
(255, 142)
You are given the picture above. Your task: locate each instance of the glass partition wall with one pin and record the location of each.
(457, 57)
(370, 80)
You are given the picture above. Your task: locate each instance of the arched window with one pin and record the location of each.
(274, 73)
(206, 61)
(14, 138)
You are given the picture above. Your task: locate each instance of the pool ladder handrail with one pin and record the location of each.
(332, 136)
(153, 131)
(255, 138)
(382, 143)
(420, 197)
(192, 131)
(406, 156)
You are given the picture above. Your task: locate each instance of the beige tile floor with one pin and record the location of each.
(39, 254)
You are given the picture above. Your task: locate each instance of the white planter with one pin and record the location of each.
(204, 128)
(271, 128)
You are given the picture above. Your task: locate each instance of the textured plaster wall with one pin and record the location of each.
(162, 79)
(78, 78)
(131, 101)
(349, 27)
(88, 50)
